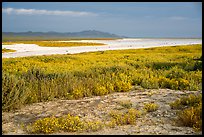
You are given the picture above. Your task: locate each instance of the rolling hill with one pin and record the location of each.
(57, 35)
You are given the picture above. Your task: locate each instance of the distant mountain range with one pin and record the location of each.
(51, 34)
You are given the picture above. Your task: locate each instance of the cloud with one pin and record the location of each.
(46, 12)
(177, 18)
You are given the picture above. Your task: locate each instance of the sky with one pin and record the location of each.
(131, 19)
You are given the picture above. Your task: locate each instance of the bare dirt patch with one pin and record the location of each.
(161, 121)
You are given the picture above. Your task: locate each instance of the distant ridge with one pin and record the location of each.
(52, 34)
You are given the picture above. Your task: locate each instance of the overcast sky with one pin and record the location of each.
(133, 19)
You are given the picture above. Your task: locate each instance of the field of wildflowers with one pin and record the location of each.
(34, 79)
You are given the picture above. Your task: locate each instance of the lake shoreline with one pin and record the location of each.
(24, 50)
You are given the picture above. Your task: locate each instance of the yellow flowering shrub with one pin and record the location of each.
(93, 125)
(150, 107)
(191, 117)
(119, 118)
(190, 100)
(46, 125)
(68, 123)
(100, 90)
(190, 114)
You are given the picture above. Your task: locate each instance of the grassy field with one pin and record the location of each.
(41, 78)
(55, 44)
(7, 50)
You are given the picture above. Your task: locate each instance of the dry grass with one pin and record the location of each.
(55, 44)
(190, 114)
(4, 50)
(150, 107)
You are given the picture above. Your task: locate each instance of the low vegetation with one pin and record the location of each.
(126, 103)
(191, 111)
(68, 123)
(119, 118)
(150, 107)
(71, 123)
(7, 50)
(34, 79)
(55, 44)
(190, 100)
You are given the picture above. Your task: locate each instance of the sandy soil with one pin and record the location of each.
(23, 50)
(162, 121)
